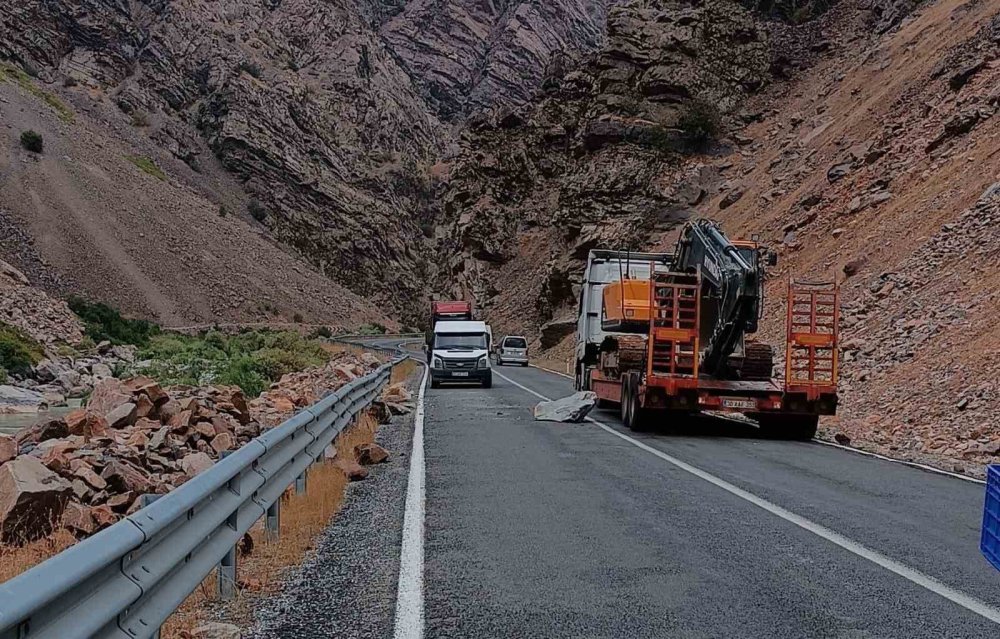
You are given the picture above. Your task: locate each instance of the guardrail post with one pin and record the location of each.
(300, 483)
(227, 576)
(273, 522)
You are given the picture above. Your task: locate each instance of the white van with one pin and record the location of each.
(460, 353)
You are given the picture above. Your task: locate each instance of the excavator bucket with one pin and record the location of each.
(811, 359)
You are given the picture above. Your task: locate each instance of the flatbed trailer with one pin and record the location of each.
(669, 384)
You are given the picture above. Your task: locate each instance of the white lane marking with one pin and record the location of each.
(410, 591)
(900, 461)
(549, 370)
(904, 462)
(968, 602)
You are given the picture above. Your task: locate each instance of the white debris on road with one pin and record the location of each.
(568, 409)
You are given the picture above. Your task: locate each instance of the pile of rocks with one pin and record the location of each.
(60, 378)
(44, 318)
(300, 389)
(86, 470)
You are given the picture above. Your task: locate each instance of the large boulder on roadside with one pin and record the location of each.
(196, 463)
(32, 500)
(86, 423)
(568, 409)
(369, 454)
(44, 430)
(8, 448)
(108, 395)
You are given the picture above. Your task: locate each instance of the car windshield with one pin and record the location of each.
(515, 342)
(460, 341)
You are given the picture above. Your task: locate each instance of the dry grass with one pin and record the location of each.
(15, 560)
(303, 518)
(402, 371)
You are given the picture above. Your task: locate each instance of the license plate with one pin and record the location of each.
(738, 403)
(460, 374)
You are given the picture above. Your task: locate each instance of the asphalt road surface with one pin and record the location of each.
(539, 529)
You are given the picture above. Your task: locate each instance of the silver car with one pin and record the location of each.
(513, 350)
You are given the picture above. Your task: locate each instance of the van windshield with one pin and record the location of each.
(460, 341)
(515, 342)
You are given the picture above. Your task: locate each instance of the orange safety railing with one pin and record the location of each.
(811, 357)
(675, 306)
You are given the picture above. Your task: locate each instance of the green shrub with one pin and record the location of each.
(140, 119)
(250, 67)
(101, 322)
(32, 141)
(323, 332)
(257, 210)
(3, 375)
(252, 359)
(700, 124)
(18, 350)
(147, 165)
(373, 328)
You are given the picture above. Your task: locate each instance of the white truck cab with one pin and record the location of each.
(460, 353)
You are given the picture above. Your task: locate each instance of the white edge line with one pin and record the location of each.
(410, 590)
(964, 600)
(904, 462)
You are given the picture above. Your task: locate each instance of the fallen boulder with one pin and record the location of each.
(8, 449)
(32, 500)
(216, 631)
(369, 454)
(351, 468)
(196, 463)
(568, 409)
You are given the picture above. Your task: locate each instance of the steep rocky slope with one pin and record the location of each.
(470, 55)
(324, 116)
(597, 160)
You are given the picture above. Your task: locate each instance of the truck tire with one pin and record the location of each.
(800, 428)
(624, 404)
(637, 418)
(488, 381)
(435, 384)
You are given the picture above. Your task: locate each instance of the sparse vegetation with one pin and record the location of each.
(251, 360)
(323, 332)
(18, 351)
(101, 322)
(32, 141)
(297, 318)
(257, 210)
(140, 119)
(18, 76)
(147, 165)
(793, 11)
(223, 211)
(700, 124)
(251, 68)
(373, 328)
(69, 82)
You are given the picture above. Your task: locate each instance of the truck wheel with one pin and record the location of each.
(624, 404)
(636, 417)
(435, 384)
(488, 382)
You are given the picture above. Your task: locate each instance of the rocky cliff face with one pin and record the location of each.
(594, 162)
(467, 55)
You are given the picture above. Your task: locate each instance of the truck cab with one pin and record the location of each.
(460, 353)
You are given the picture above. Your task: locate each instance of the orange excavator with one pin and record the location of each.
(672, 335)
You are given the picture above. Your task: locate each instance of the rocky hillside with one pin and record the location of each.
(319, 120)
(597, 161)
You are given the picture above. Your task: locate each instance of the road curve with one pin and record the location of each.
(567, 530)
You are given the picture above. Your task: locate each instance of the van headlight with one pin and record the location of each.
(484, 362)
(437, 363)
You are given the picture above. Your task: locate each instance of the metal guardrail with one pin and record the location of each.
(125, 581)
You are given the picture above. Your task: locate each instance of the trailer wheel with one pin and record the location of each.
(792, 427)
(625, 403)
(637, 417)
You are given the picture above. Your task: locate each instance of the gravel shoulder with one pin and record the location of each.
(347, 586)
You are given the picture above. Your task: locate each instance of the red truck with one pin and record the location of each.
(446, 311)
